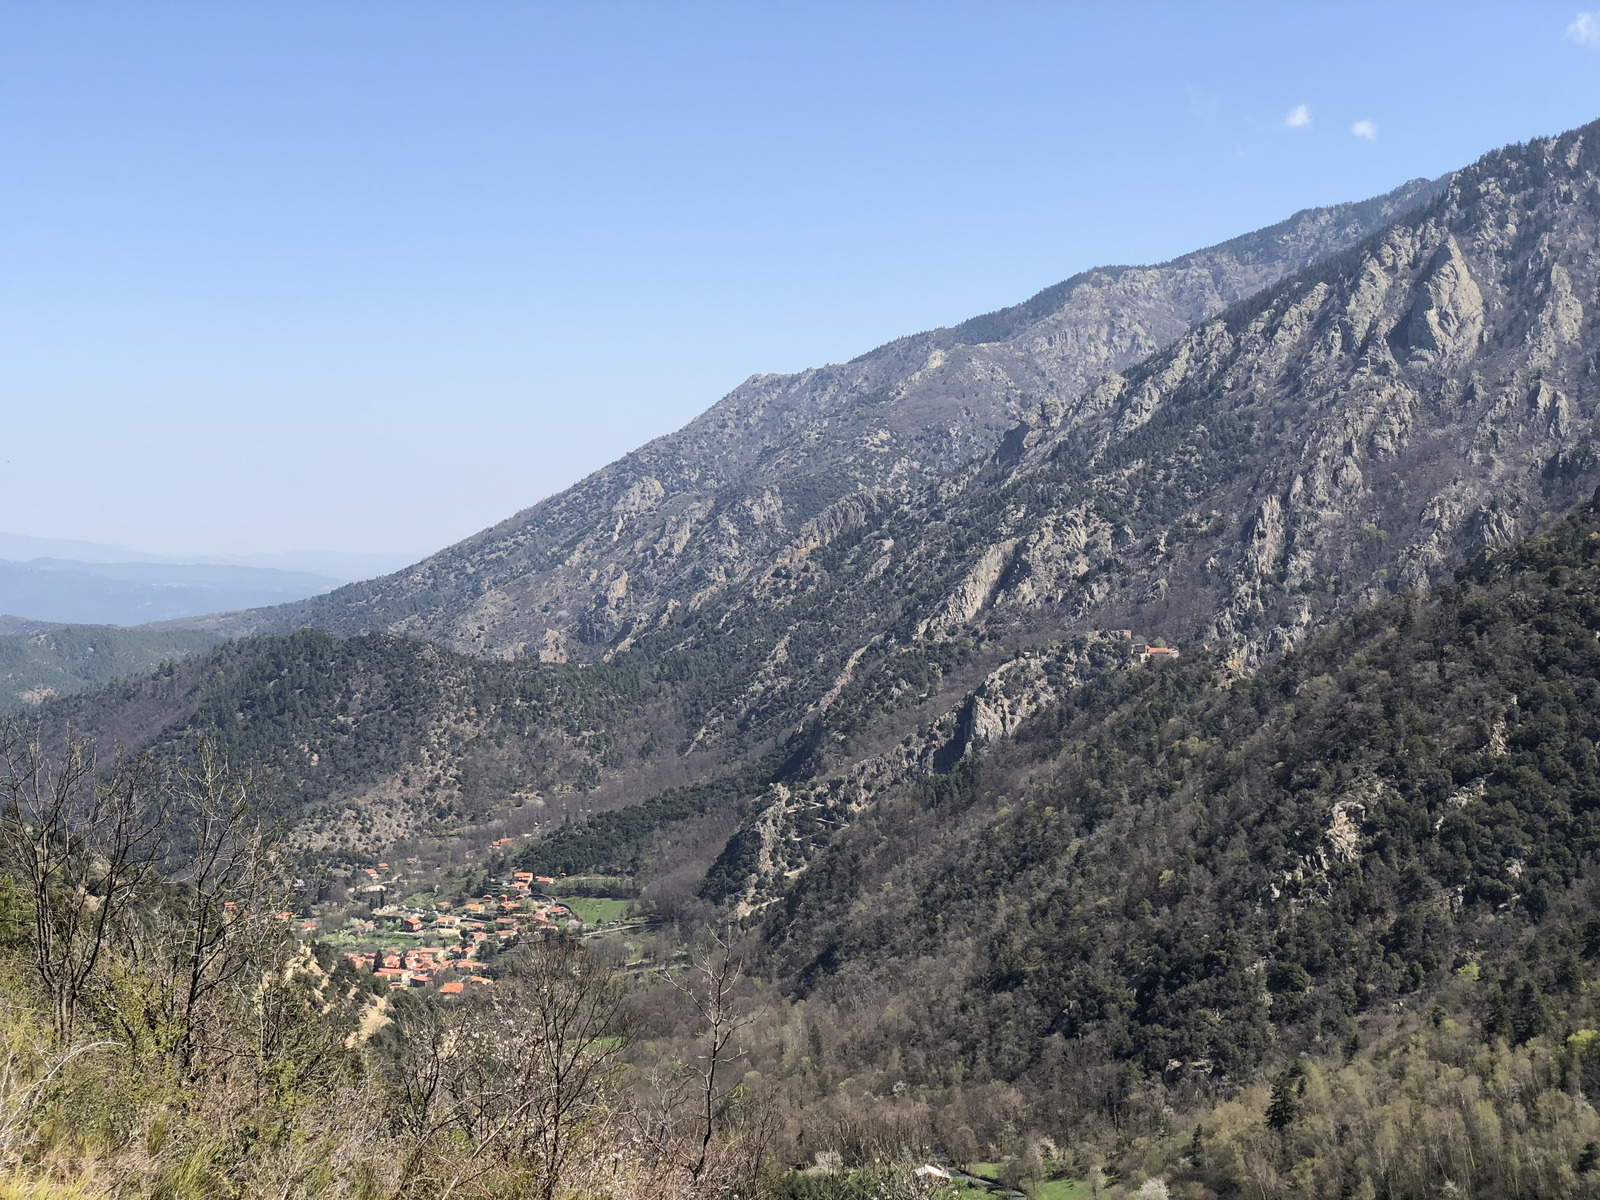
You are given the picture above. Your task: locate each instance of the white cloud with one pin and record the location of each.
(1365, 129)
(1299, 117)
(1585, 30)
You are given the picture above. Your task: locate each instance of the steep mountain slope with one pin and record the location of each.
(1353, 430)
(1193, 877)
(1348, 432)
(1368, 421)
(672, 523)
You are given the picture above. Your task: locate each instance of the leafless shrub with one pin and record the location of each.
(83, 844)
(214, 921)
(515, 1086)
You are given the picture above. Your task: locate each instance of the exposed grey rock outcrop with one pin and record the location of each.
(1359, 428)
(791, 822)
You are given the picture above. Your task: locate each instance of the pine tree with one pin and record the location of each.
(1287, 1092)
(1590, 1158)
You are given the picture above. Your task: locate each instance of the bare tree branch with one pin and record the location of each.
(83, 844)
(709, 989)
(215, 918)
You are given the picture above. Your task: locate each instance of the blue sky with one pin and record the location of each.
(371, 276)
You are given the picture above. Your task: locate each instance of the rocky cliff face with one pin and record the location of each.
(1347, 433)
(1356, 430)
(1350, 432)
(740, 493)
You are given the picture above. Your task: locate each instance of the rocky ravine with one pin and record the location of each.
(793, 821)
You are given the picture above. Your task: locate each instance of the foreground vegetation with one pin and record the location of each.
(164, 1033)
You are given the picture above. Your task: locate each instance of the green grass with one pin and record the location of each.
(593, 911)
(1063, 1189)
(345, 938)
(560, 887)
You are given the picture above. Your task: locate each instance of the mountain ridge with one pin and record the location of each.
(1262, 475)
(581, 573)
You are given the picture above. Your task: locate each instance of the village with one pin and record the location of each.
(424, 941)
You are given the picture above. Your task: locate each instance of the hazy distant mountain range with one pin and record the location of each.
(64, 581)
(137, 593)
(339, 565)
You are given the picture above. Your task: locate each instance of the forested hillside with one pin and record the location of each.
(371, 739)
(1174, 882)
(1331, 929)
(39, 660)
